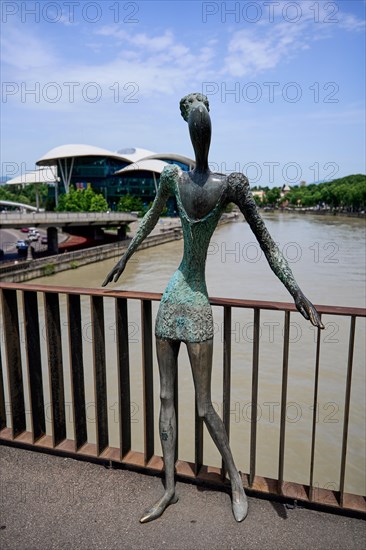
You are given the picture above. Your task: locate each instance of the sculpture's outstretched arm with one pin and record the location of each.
(242, 196)
(148, 222)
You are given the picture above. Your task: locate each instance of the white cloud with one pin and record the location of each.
(140, 40)
(154, 44)
(153, 64)
(24, 50)
(66, 20)
(111, 30)
(347, 116)
(351, 23)
(156, 62)
(249, 53)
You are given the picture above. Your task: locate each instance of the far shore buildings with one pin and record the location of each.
(133, 171)
(260, 194)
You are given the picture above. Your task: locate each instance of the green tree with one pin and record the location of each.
(98, 204)
(81, 200)
(273, 195)
(129, 203)
(70, 202)
(348, 192)
(86, 197)
(25, 194)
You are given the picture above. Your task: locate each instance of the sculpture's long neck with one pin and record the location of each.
(199, 123)
(201, 156)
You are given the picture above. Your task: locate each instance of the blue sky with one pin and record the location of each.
(111, 74)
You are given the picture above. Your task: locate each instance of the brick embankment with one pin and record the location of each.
(48, 502)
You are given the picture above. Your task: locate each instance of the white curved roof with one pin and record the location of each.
(133, 154)
(42, 175)
(172, 156)
(149, 165)
(75, 150)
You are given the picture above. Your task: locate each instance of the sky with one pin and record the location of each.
(285, 81)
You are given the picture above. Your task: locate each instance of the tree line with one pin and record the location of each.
(348, 193)
(25, 195)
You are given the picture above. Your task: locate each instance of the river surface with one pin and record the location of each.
(327, 257)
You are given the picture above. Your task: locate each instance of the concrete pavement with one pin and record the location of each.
(49, 502)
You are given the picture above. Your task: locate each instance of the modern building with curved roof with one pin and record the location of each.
(172, 158)
(36, 177)
(41, 175)
(149, 165)
(134, 154)
(133, 170)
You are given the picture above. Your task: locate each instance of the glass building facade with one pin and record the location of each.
(99, 174)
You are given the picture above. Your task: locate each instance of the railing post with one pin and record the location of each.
(100, 376)
(226, 394)
(254, 408)
(123, 366)
(34, 363)
(198, 441)
(54, 352)
(13, 361)
(77, 369)
(148, 381)
(346, 408)
(315, 406)
(2, 397)
(281, 458)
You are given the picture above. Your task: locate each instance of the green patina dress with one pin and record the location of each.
(185, 313)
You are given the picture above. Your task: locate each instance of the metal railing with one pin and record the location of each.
(80, 447)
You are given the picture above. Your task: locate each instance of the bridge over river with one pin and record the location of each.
(87, 223)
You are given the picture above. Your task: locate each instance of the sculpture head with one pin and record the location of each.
(194, 109)
(190, 101)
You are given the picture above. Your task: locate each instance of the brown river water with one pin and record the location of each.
(327, 257)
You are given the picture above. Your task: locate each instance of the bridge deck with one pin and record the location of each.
(62, 219)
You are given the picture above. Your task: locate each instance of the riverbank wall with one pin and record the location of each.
(330, 213)
(25, 270)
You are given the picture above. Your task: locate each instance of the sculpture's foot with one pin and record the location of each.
(239, 502)
(156, 511)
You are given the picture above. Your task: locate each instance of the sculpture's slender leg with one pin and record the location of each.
(200, 355)
(167, 352)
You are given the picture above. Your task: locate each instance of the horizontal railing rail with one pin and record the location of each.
(13, 426)
(43, 217)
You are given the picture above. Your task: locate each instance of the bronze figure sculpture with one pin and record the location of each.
(185, 313)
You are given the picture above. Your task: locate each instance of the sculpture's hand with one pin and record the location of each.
(116, 272)
(307, 310)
